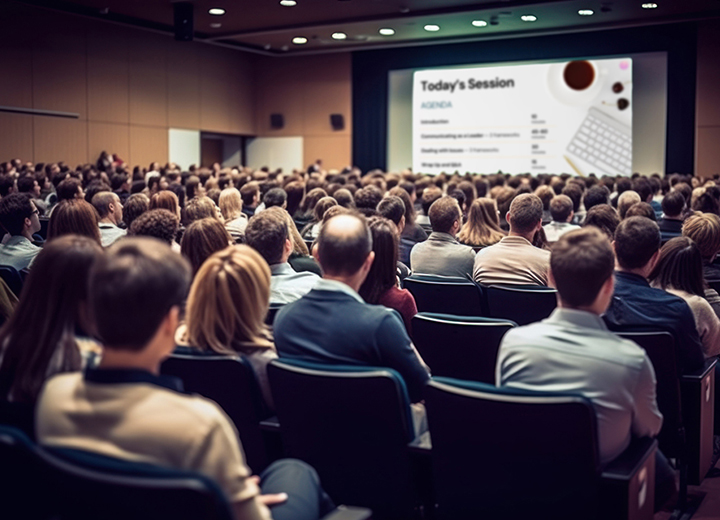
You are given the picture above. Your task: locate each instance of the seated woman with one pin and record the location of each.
(50, 331)
(381, 285)
(312, 228)
(202, 238)
(226, 309)
(73, 216)
(482, 228)
(236, 221)
(306, 211)
(679, 271)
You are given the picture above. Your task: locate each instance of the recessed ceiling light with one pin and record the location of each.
(479, 23)
(432, 27)
(339, 36)
(387, 31)
(528, 18)
(586, 12)
(288, 3)
(217, 11)
(649, 5)
(299, 40)
(215, 25)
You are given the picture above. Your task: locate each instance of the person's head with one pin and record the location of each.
(96, 186)
(136, 291)
(625, 200)
(228, 302)
(135, 205)
(575, 192)
(704, 202)
(561, 208)
(275, 197)
(704, 230)
(344, 247)
(250, 193)
(322, 206)
(7, 185)
(166, 199)
(581, 268)
(108, 206)
(679, 266)
(393, 208)
(596, 195)
(199, 208)
(18, 215)
(641, 209)
(311, 199)
(604, 217)
(673, 204)
(383, 272)
(546, 195)
(202, 238)
(193, 187)
(295, 192)
(368, 198)
(445, 215)
(525, 214)
(74, 217)
(407, 203)
(637, 241)
(70, 188)
(230, 203)
(344, 198)
(52, 308)
(468, 189)
(157, 223)
(28, 184)
(268, 233)
(429, 196)
(643, 188)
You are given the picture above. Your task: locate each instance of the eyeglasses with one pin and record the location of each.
(35, 212)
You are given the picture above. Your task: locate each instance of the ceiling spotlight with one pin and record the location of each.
(216, 11)
(339, 36)
(649, 5)
(387, 31)
(299, 40)
(479, 23)
(288, 3)
(432, 27)
(586, 12)
(528, 18)
(216, 25)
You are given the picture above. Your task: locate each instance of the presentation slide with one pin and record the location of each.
(571, 116)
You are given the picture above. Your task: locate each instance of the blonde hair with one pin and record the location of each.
(704, 230)
(481, 228)
(228, 302)
(230, 203)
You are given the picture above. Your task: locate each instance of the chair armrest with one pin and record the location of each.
(699, 374)
(349, 513)
(630, 460)
(271, 424)
(421, 445)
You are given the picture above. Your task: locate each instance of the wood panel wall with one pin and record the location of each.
(707, 137)
(127, 85)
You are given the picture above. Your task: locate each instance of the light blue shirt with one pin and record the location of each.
(287, 285)
(17, 251)
(109, 233)
(573, 352)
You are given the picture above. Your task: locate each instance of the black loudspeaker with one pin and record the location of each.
(337, 121)
(183, 12)
(277, 121)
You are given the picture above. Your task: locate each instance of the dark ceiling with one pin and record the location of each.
(268, 27)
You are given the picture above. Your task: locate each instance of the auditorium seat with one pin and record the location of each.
(522, 304)
(231, 383)
(509, 454)
(462, 347)
(353, 425)
(446, 294)
(272, 312)
(12, 278)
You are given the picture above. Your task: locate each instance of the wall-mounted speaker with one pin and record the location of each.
(183, 17)
(277, 121)
(337, 121)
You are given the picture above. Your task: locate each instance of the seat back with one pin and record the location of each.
(446, 294)
(352, 424)
(12, 278)
(272, 312)
(661, 349)
(18, 415)
(522, 304)
(232, 384)
(44, 222)
(462, 347)
(506, 454)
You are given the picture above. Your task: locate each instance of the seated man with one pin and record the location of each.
(573, 352)
(514, 260)
(125, 409)
(393, 209)
(19, 217)
(333, 325)
(561, 211)
(109, 208)
(441, 253)
(636, 304)
(268, 233)
(671, 223)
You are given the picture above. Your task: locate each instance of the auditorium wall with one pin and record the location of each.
(707, 136)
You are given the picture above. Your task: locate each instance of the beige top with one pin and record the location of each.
(706, 321)
(512, 261)
(145, 422)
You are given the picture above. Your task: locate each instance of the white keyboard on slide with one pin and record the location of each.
(604, 143)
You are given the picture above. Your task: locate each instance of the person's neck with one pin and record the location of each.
(673, 217)
(592, 309)
(643, 272)
(114, 358)
(354, 281)
(108, 220)
(526, 236)
(27, 234)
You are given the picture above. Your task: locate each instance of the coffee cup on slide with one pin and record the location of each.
(575, 83)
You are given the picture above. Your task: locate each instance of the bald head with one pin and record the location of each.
(344, 244)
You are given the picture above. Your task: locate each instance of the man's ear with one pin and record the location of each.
(653, 260)
(316, 253)
(551, 279)
(369, 261)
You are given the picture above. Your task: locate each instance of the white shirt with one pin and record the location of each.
(555, 230)
(287, 285)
